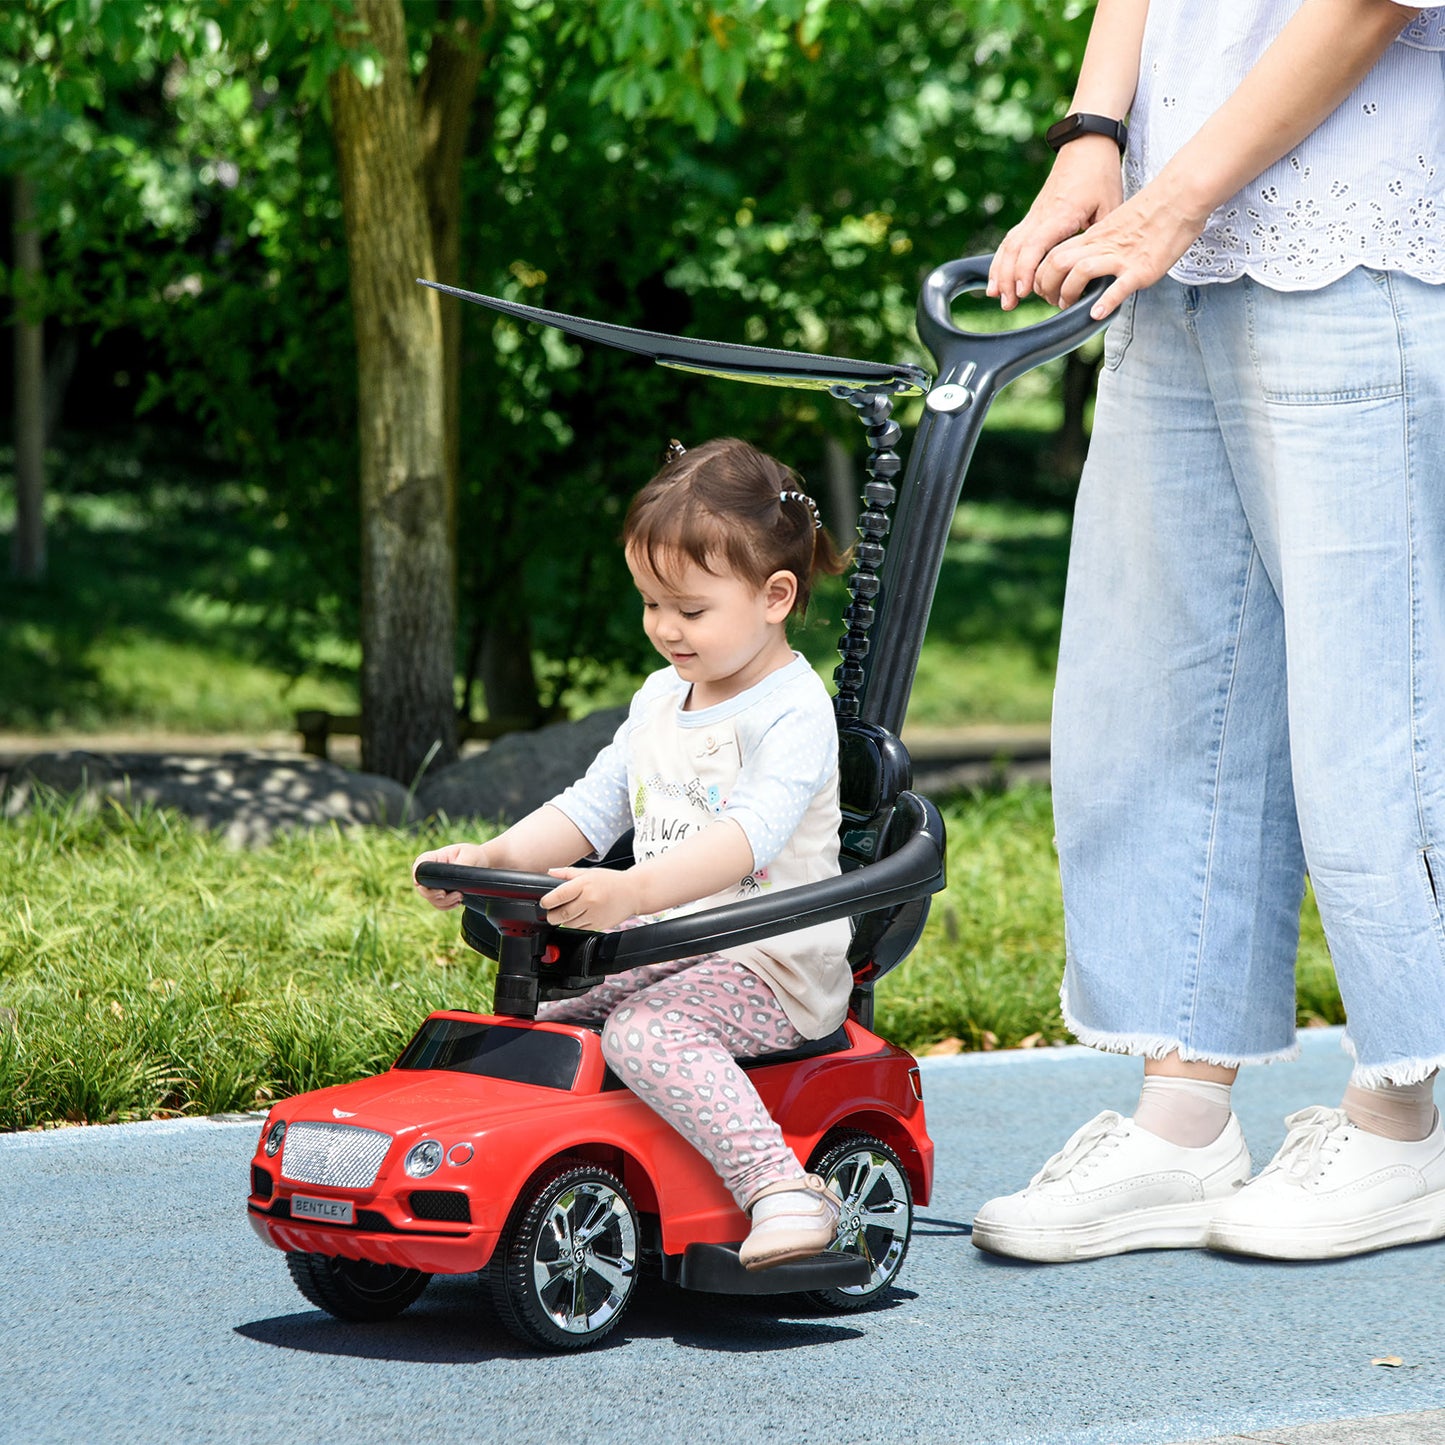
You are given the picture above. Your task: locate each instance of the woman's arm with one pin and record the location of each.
(1325, 51)
(1084, 184)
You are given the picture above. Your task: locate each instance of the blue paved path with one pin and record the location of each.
(140, 1307)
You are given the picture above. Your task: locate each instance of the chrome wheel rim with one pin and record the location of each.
(585, 1262)
(875, 1220)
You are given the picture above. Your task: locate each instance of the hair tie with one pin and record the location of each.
(808, 502)
(675, 449)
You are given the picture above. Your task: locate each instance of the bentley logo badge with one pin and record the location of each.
(342, 1114)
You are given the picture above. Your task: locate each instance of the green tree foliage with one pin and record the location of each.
(187, 200)
(779, 173)
(884, 138)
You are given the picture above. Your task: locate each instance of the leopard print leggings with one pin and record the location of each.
(673, 1033)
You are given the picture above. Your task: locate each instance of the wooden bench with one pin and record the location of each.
(318, 727)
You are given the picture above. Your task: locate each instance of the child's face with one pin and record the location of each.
(722, 633)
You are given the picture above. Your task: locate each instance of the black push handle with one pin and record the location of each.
(1005, 354)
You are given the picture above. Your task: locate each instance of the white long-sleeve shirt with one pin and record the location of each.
(768, 761)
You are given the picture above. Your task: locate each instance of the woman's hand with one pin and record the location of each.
(1136, 244)
(596, 898)
(1324, 51)
(1084, 186)
(469, 855)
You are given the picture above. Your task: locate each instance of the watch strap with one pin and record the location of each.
(1080, 123)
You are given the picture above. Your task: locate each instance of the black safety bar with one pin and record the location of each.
(533, 953)
(913, 869)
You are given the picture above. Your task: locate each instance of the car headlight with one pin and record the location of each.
(423, 1159)
(274, 1135)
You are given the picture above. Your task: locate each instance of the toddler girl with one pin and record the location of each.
(726, 768)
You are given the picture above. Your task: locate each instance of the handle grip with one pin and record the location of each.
(1007, 353)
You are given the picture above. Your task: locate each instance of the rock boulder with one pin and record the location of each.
(519, 772)
(247, 797)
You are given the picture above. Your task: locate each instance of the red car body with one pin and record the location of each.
(495, 1134)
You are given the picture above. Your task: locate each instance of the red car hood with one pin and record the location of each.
(421, 1101)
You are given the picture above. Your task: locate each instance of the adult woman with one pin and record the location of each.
(1252, 669)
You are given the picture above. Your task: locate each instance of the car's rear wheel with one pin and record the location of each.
(355, 1289)
(566, 1265)
(877, 1217)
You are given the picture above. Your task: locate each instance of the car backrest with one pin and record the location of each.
(873, 769)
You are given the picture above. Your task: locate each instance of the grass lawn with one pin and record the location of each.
(147, 970)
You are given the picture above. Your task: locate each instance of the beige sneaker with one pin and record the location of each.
(793, 1219)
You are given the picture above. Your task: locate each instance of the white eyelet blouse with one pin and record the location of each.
(1366, 188)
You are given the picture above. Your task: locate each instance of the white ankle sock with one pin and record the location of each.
(1189, 1112)
(1394, 1111)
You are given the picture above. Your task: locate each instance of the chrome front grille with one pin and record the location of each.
(340, 1155)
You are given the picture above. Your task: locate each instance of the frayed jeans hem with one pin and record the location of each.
(1399, 1072)
(1160, 1046)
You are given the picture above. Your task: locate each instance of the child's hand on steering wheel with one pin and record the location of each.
(469, 855)
(596, 898)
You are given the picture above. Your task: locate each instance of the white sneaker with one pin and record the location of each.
(1112, 1188)
(1335, 1189)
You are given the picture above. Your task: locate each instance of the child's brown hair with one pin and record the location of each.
(725, 500)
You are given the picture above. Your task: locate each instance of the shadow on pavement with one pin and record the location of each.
(454, 1325)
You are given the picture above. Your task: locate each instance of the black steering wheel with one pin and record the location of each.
(516, 892)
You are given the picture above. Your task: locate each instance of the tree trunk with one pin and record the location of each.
(27, 543)
(508, 680)
(407, 619)
(1071, 441)
(61, 359)
(444, 96)
(844, 489)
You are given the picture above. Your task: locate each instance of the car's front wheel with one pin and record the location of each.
(355, 1289)
(566, 1265)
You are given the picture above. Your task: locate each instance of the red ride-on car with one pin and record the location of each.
(501, 1144)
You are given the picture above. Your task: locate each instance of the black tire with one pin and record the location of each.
(355, 1289)
(877, 1220)
(565, 1267)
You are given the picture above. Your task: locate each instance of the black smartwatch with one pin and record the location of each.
(1073, 126)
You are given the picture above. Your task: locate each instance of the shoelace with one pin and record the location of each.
(1312, 1131)
(1103, 1129)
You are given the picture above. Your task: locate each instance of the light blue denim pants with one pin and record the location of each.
(1252, 673)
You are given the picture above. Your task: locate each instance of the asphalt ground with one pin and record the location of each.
(141, 1307)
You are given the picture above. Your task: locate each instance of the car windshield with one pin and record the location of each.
(495, 1051)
